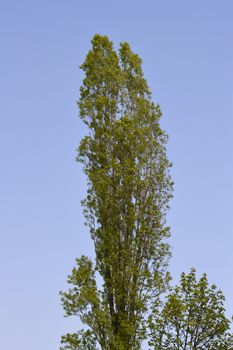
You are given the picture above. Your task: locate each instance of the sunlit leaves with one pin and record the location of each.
(193, 317)
(129, 187)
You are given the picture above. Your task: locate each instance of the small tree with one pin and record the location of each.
(129, 186)
(193, 318)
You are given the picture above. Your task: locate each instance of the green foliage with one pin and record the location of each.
(193, 317)
(129, 187)
(82, 340)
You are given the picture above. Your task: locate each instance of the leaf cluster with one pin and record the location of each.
(193, 317)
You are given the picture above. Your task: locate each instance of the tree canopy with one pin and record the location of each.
(129, 187)
(193, 317)
(117, 295)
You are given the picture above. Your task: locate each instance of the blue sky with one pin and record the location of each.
(187, 52)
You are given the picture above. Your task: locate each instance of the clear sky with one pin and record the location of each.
(187, 52)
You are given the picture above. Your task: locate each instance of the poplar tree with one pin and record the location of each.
(129, 187)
